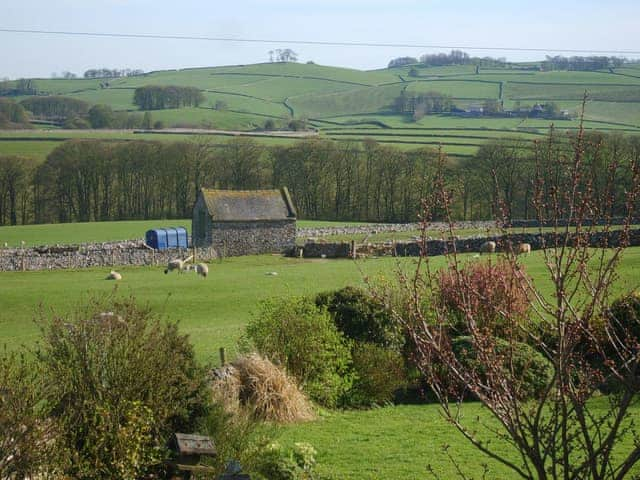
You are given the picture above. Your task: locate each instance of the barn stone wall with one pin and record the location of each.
(232, 239)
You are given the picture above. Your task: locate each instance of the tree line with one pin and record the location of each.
(13, 115)
(419, 104)
(157, 97)
(577, 63)
(97, 180)
(55, 107)
(455, 57)
(112, 73)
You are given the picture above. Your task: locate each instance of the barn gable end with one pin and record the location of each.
(244, 222)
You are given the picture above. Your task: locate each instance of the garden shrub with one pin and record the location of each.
(623, 319)
(118, 382)
(278, 463)
(294, 333)
(379, 374)
(22, 431)
(238, 436)
(531, 369)
(361, 317)
(618, 345)
(490, 291)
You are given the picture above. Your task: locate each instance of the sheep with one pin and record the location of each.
(488, 247)
(177, 264)
(202, 269)
(113, 275)
(524, 248)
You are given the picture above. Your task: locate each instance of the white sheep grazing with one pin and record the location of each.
(488, 247)
(524, 248)
(202, 269)
(177, 264)
(113, 275)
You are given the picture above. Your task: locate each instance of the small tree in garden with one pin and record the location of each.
(560, 429)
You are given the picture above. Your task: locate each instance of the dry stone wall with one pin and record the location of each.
(113, 254)
(434, 247)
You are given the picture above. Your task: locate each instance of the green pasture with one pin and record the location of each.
(459, 89)
(212, 310)
(352, 101)
(36, 150)
(333, 97)
(89, 232)
(38, 144)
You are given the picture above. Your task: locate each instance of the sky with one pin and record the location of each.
(550, 25)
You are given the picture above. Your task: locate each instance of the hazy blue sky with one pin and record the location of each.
(585, 24)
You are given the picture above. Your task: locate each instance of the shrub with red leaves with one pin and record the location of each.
(487, 293)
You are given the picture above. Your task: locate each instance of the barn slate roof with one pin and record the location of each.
(248, 205)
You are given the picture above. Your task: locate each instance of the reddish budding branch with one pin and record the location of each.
(484, 330)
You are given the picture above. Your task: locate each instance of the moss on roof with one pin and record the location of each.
(248, 205)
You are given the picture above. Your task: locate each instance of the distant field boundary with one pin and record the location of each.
(302, 77)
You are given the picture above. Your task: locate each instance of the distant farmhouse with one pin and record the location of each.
(244, 222)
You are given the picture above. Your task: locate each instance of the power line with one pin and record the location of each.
(310, 42)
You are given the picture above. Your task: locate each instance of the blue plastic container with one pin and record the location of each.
(166, 238)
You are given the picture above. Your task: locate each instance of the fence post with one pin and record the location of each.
(223, 359)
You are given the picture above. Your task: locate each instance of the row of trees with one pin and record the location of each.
(455, 57)
(22, 86)
(559, 62)
(55, 107)
(419, 104)
(112, 73)
(157, 97)
(94, 180)
(12, 114)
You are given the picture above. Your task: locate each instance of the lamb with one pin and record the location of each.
(488, 247)
(113, 275)
(524, 248)
(202, 269)
(177, 264)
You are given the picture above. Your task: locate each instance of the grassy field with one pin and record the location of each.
(342, 98)
(214, 310)
(66, 233)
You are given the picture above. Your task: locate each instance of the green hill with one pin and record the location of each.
(339, 102)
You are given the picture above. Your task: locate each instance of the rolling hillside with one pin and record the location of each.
(349, 105)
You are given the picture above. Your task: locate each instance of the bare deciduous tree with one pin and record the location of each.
(564, 430)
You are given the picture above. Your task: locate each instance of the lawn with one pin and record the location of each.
(398, 442)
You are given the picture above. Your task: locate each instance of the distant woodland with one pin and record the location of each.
(91, 180)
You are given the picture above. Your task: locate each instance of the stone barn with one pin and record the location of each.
(244, 222)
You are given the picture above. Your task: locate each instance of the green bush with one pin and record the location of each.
(531, 370)
(379, 374)
(117, 382)
(238, 437)
(278, 463)
(361, 317)
(624, 318)
(22, 448)
(297, 334)
(618, 336)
